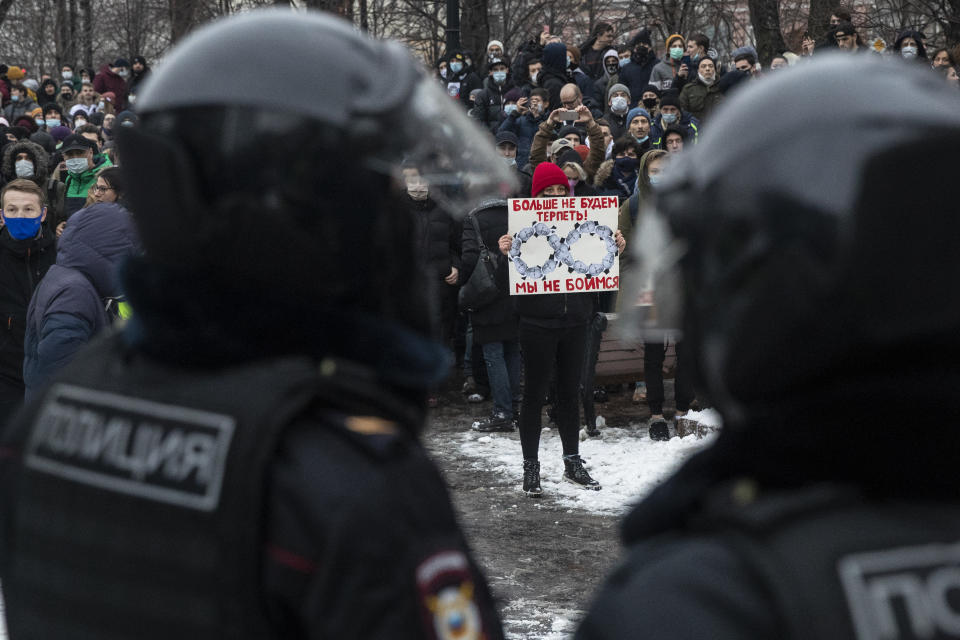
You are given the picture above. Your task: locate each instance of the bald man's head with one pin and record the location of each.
(570, 96)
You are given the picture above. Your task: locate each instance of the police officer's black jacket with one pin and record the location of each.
(151, 493)
(829, 518)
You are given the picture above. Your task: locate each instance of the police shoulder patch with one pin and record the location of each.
(154, 451)
(448, 597)
(904, 593)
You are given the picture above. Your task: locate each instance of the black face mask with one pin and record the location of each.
(649, 103)
(613, 68)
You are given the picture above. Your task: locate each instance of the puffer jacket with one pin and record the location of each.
(54, 189)
(69, 306)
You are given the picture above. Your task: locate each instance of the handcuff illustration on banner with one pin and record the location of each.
(562, 252)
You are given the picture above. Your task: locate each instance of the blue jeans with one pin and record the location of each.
(503, 369)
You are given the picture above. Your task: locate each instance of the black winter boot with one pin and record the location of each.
(497, 422)
(575, 473)
(659, 430)
(531, 478)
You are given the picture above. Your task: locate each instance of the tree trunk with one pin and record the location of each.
(950, 22)
(182, 14)
(474, 28)
(86, 9)
(70, 50)
(4, 8)
(819, 22)
(765, 18)
(364, 18)
(61, 33)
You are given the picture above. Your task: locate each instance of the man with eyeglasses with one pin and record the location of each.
(82, 170)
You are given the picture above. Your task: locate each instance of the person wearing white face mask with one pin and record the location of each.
(702, 95)
(112, 78)
(461, 79)
(618, 104)
(489, 104)
(438, 245)
(30, 161)
(665, 74)
(909, 44)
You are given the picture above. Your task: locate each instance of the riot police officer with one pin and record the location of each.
(813, 267)
(242, 461)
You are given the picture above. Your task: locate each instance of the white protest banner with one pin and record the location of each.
(563, 244)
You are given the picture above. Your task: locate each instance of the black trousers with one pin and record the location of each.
(543, 350)
(653, 356)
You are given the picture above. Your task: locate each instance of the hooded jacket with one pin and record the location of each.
(78, 185)
(54, 189)
(19, 109)
(108, 81)
(636, 73)
(553, 74)
(601, 86)
(664, 74)
(69, 306)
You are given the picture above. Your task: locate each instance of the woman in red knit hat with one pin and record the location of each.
(553, 329)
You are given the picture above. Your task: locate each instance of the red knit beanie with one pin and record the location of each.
(547, 174)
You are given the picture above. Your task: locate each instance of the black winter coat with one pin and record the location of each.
(22, 264)
(497, 321)
(552, 80)
(636, 75)
(438, 238)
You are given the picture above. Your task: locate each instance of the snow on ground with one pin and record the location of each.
(625, 461)
(539, 620)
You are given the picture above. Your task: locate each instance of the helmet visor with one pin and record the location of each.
(445, 154)
(654, 288)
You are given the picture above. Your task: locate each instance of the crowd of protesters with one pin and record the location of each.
(601, 118)
(65, 224)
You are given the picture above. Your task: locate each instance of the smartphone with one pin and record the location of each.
(569, 115)
(546, 28)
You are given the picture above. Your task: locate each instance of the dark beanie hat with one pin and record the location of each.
(643, 36)
(651, 87)
(547, 174)
(513, 95)
(670, 99)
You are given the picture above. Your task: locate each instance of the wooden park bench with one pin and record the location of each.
(617, 362)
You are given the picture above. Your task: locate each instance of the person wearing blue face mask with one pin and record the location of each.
(52, 115)
(673, 117)
(664, 75)
(489, 104)
(461, 79)
(638, 125)
(26, 252)
(82, 170)
(21, 103)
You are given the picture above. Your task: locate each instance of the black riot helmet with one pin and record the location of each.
(789, 249)
(268, 155)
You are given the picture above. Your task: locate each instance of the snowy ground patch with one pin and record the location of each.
(625, 461)
(538, 620)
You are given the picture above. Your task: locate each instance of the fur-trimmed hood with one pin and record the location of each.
(36, 153)
(603, 173)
